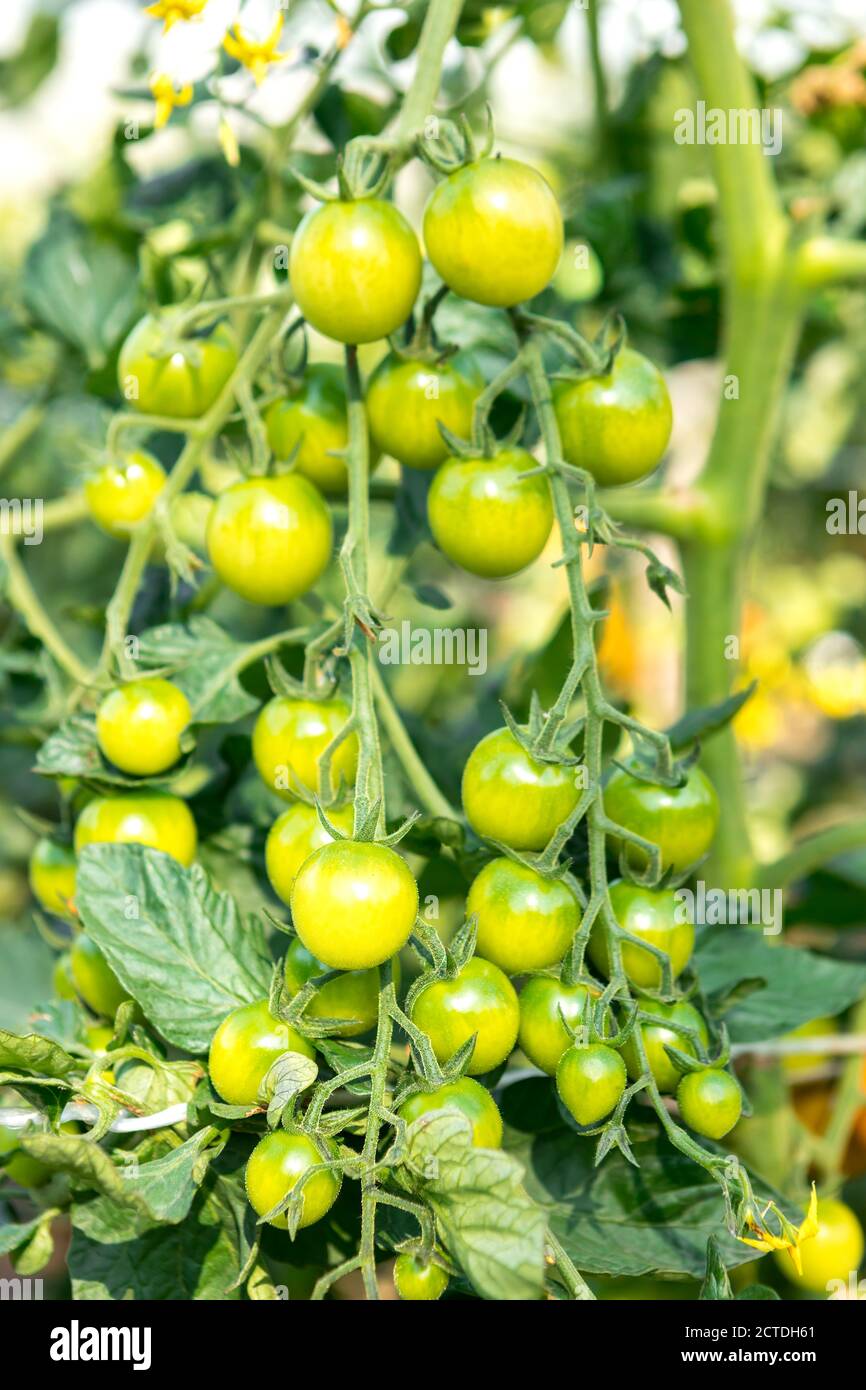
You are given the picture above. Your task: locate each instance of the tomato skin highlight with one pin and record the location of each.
(486, 517)
(525, 922)
(244, 1048)
(121, 493)
(290, 737)
(834, 1253)
(354, 904)
(94, 978)
(615, 426)
(656, 1035)
(310, 425)
(470, 1099)
(543, 1036)
(270, 539)
(292, 839)
(160, 373)
(275, 1166)
(481, 1000)
(139, 818)
(511, 797)
(710, 1101)
(653, 915)
(417, 1281)
(51, 873)
(353, 996)
(682, 821)
(139, 725)
(355, 269)
(404, 416)
(590, 1081)
(493, 230)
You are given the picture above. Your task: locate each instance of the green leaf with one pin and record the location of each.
(36, 1056)
(26, 962)
(758, 1293)
(12, 1238)
(23, 72)
(204, 661)
(84, 289)
(180, 949)
(38, 1250)
(798, 985)
(490, 1225)
(697, 725)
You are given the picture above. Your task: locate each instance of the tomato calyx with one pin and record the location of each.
(454, 145)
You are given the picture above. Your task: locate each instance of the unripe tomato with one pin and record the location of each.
(656, 1036)
(354, 904)
(290, 737)
(834, 1253)
(94, 978)
(139, 818)
(590, 1081)
(138, 725)
(407, 399)
(122, 492)
(244, 1048)
(525, 922)
(293, 837)
(653, 915)
(796, 1064)
(511, 797)
(310, 426)
(276, 1164)
(61, 978)
(417, 1280)
(353, 996)
(493, 230)
(486, 517)
(616, 426)
(480, 1000)
(680, 820)
(269, 539)
(355, 269)
(98, 1036)
(26, 1171)
(52, 877)
(469, 1098)
(710, 1101)
(544, 1002)
(162, 372)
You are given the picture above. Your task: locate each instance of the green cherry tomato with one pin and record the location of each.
(710, 1101)
(354, 904)
(61, 978)
(486, 517)
(138, 725)
(652, 914)
(139, 818)
(408, 398)
(834, 1253)
(353, 996)
(468, 1097)
(122, 492)
(525, 922)
(511, 797)
(290, 737)
(615, 426)
(293, 837)
(276, 1164)
(656, 1035)
(680, 820)
(311, 427)
(26, 1171)
(355, 269)
(163, 372)
(590, 1080)
(544, 1002)
(479, 1000)
(244, 1048)
(493, 230)
(52, 877)
(94, 978)
(269, 539)
(417, 1280)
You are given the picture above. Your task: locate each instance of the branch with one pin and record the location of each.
(824, 261)
(811, 853)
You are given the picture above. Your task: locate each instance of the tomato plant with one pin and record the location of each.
(293, 837)
(353, 997)
(487, 516)
(93, 977)
(52, 876)
(680, 820)
(548, 1009)
(833, 1253)
(655, 1037)
(651, 915)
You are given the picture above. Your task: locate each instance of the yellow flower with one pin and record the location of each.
(253, 55)
(790, 1239)
(344, 31)
(173, 10)
(229, 144)
(167, 98)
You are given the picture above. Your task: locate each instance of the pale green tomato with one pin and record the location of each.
(52, 877)
(487, 516)
(407, 400)
(292, 839)
(139, 725)
(290, 737)
(269, 539)
(121, 493)
(244, 1048)
(354, 904)
(139, 818)
(275, 1166)
(162, 372)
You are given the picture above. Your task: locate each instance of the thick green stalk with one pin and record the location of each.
(439, 25)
